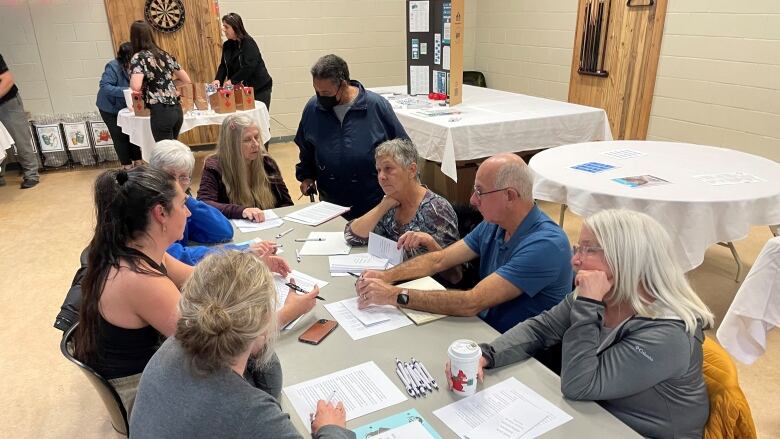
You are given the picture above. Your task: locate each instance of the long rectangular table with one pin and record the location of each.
(427, 343)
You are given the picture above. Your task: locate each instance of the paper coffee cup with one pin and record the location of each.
(464, 359)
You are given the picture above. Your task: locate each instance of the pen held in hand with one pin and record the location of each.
(300, 290)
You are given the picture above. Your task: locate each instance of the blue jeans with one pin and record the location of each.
(13, 116)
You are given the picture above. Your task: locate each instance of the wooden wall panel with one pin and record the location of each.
(197, 45)
(633, 48)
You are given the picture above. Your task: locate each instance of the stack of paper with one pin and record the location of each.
(271, 220)
(384, 248)
(363, 389)
(304, 281)
(508, 409)
(317, 213)
(325, 243)
(380, 319)
(355, 263)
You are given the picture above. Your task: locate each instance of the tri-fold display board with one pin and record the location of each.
(434, 48)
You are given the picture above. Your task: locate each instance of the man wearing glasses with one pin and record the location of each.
(524, 256)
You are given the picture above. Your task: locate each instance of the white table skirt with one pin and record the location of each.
(696, 214)
(495, 121)
(6, 141)
(140, 132)
(755, 309)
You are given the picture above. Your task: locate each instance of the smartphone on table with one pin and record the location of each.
(318, 331)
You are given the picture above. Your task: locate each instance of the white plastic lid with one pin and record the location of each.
(464, 349)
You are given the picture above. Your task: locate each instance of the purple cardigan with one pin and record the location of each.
(213, 191)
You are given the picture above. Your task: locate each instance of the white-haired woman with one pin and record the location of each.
(631, 332)
(206, 224)
(241, 179)
(193, 386)
(420, 220)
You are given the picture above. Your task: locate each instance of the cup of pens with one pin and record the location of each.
(464, 359)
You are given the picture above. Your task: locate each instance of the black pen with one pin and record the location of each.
(299, 289)
(353, 274)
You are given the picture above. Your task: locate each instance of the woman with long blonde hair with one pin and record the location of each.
(242, 179)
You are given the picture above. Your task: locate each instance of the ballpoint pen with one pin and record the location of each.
(353, 274)
(427, 374)
(298, 255)
(300, 290)
(309, 239)
(279, 235)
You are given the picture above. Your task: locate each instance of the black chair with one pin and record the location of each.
(476, 79)
(111, 399)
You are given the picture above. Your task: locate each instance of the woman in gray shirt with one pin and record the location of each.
(193, 385)
(631, 332)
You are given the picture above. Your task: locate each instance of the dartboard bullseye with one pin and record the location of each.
(165, 15)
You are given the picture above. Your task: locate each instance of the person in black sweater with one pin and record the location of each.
(242, 61)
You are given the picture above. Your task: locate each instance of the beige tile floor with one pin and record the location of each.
(42, 232)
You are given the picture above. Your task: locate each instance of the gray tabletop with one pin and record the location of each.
(427, 343)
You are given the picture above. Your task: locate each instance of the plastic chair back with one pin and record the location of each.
(476, 79)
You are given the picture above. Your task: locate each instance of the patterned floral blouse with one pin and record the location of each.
(158, 77)
(435, 216)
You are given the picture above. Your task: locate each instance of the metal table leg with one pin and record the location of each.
(737, 259)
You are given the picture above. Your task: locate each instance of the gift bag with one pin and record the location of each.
(199, 96)
(245, 98)
(186, 97)
(139, 106)
(222, 101)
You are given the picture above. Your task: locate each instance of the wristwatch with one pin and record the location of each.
(402, 298)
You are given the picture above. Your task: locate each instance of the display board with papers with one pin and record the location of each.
(317, 213)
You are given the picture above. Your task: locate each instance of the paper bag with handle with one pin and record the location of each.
(186, 96)
(222, 101)
(199, 96)
(139, 106)
(245, 97)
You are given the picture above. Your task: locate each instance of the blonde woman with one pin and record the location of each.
(194, 387)
(631, 332)
(241, 179)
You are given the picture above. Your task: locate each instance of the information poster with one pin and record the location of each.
(446, 21)
(419, 16)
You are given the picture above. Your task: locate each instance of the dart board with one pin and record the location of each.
(165, 15)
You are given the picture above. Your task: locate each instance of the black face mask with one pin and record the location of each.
(328, 102)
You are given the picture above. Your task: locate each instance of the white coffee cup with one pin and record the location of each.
(464, 359)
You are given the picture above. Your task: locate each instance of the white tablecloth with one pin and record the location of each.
(6, 141)
(495, 121)
(695, 213)
(141, 133)
(755, 309)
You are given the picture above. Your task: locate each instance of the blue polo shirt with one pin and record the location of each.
(536, 259)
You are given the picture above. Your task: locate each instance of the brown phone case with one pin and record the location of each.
(318, 331)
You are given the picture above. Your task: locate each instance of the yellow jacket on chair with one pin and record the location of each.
(729, 410)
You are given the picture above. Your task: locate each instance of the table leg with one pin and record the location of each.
(563, 212)
(730, 246)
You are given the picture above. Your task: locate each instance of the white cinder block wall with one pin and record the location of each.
(56, 51)
(718, 77)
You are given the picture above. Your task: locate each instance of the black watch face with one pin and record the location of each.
(164, 15)
(402, 299)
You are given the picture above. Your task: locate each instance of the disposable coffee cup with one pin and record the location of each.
(464, 359)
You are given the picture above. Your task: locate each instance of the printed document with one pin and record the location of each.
(728, 178)
(384, 248)
(304, 281)
(373, 314)
(363, 389)
(508, 409)
(333, 243)
(355, 263)
(317, 213)
(271, 220)
(356, 329)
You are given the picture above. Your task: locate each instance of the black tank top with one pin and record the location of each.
(123, 352)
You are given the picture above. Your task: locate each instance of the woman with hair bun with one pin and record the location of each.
(194, 387)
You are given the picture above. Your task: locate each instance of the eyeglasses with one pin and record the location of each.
(481, 194)
(184, 179)
(586, 249)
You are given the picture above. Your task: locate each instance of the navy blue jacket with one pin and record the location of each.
(110, 97)
(340, 156)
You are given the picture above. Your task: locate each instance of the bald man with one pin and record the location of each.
(524, 256)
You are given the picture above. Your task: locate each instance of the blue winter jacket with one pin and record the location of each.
(110, 97)
(206, 225)
(340, 156)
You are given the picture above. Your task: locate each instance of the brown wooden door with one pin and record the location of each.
(197, 45)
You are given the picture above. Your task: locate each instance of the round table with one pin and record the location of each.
(140, 132)
(696, 212)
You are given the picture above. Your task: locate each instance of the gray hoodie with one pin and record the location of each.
(646, 372)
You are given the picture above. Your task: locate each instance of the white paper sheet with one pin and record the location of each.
(508, 409)
(419, 78)
(302, 280)
(271, 220)
(373, 314)
(356, 329)
(334, 244)
(384, 248)
(355, 263)
(419, 16)
(445, 57)
(412, 430)
(363, 389)
(728, 178)
(316, 213)
(622, 154)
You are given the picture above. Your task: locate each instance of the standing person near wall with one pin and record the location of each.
(111, 100)
(14, 118)
(153, 71)
(242, 61)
